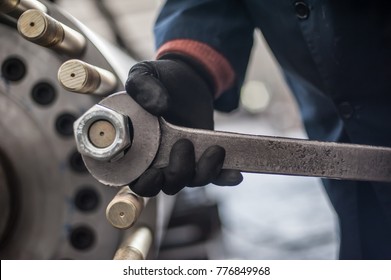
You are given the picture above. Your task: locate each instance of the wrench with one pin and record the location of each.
(153, 138)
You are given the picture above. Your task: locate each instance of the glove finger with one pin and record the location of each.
(146, 89)
(180, 170)
(209, 166)
(228, 177)
(149, 184)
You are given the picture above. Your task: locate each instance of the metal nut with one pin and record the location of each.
(111, 126)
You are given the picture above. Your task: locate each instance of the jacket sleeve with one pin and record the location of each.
(216, 33)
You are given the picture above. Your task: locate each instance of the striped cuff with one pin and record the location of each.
(217, 66)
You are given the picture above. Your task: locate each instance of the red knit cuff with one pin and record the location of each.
(216, 64)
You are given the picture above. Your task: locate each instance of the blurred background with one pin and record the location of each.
(267, 216)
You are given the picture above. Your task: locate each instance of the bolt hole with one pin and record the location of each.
(87, 199)
(82, 238)
(76, 163)
(64, 124)
(102, 133)
(121, 214)
(13, 69)
(43, 94)
(32, 24)
(73, 75)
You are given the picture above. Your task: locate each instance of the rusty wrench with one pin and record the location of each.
(149, 142)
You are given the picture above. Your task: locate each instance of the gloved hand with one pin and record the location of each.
(179, 90)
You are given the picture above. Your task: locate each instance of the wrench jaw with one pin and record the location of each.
(119, 155)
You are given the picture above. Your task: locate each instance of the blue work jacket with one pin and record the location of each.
(336, 58)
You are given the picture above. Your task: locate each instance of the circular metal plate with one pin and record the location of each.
(44, 182)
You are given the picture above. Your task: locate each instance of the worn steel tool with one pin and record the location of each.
(119, 140)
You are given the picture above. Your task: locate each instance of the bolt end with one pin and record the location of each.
(32, 24)
(125, 208)
(75, 76)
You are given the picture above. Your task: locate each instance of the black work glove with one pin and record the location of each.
(178, 90)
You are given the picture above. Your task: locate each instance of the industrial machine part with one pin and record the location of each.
(125, 208)
(15, 8)
(80, 77)
(42, 29)
(50, 206)
(136, 245)
(103, 133)
(153, 138)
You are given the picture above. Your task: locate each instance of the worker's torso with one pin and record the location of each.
(336, 56)
(339, 49)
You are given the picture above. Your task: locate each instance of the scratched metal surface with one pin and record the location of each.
(281, 155)
(272, 216)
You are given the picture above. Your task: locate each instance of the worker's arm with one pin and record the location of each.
(183, 84)
(176, 90)
(224, 26)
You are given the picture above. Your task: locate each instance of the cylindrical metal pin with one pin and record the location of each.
(125, 208)
(78, 76)
(135, 246)
(15, 8)
(102, 133)
(41, 29)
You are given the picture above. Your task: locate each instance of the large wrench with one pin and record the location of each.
(153, 137)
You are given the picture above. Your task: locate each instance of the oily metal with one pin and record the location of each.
(154, 137)
(102, 133)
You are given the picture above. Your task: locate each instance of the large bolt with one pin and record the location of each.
(15, 8)
(41, 29)
(125, 208)
(102, 133)
(135, 246)
(80, 77)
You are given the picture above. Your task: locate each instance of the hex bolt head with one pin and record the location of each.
(102, 133)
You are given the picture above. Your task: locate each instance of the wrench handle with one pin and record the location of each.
(277, 155)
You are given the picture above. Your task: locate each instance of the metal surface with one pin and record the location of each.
(136, 245)
(15, 8)
(80, 77)
(5, 200)
(125, 208)
(143, 149)
(41, 29)
(274, 155)
(102, 134)
(44, 180)
(247, 153)
(51, 208)
(121, 140)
